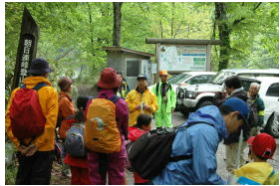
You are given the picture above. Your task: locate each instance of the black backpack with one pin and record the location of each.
(149, 154)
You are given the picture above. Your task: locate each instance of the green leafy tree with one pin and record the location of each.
(72, 35)
(247, 29)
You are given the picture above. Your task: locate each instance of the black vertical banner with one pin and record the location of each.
(27, 47)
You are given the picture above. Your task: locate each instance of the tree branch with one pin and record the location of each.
(243, 18)
(237, 21)
(256, 7)
(64, 54)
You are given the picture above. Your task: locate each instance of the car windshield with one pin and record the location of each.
(178, 78)
(210, 78)
(221, 76)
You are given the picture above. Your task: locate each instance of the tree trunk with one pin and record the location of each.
(91, 28)
(224, 34)
(117, 23)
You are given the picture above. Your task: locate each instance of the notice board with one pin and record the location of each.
(183, 58)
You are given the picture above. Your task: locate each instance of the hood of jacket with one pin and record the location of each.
(211, 115)
(32, 81)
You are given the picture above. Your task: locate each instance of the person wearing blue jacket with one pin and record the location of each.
(199, 137)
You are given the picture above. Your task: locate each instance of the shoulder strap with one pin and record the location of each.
(39, 85)
(157, 89)
(114, 99)
(169, 87)
(199, 122)
(194, 123)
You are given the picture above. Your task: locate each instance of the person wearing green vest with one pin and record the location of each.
(166, 99)
(257, 105)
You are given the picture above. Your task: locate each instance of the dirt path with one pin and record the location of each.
(57, 178)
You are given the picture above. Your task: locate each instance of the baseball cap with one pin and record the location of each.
(237, 104)
(163, 73)
(263, 145)
(141, 76)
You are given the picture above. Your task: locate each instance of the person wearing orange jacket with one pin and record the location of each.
(35, 159)
(66, 106)
(66, 115)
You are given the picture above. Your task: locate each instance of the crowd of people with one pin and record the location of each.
(96, 150)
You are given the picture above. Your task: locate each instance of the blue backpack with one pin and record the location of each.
(74, 141)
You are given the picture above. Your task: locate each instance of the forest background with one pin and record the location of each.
(72, 35)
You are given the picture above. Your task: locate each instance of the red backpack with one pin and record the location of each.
(27, 119)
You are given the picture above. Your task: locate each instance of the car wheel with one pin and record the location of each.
(272, 126)
(204, 103)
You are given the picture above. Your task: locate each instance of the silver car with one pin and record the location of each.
(198, 95)
(269, 92)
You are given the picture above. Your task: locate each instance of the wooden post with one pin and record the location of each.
(208, 58)
(27, 47)
(183, 41)
(158, 60)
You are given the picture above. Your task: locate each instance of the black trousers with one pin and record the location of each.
(36, 169)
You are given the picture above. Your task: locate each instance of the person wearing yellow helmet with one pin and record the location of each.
(166, 99)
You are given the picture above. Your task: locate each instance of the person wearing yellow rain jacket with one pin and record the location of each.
(141, 100)
(258, 172)
(36, 155)
(166, 99)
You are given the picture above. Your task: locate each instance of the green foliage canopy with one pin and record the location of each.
(72, 35)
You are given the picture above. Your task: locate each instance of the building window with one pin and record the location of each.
(133, 68)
